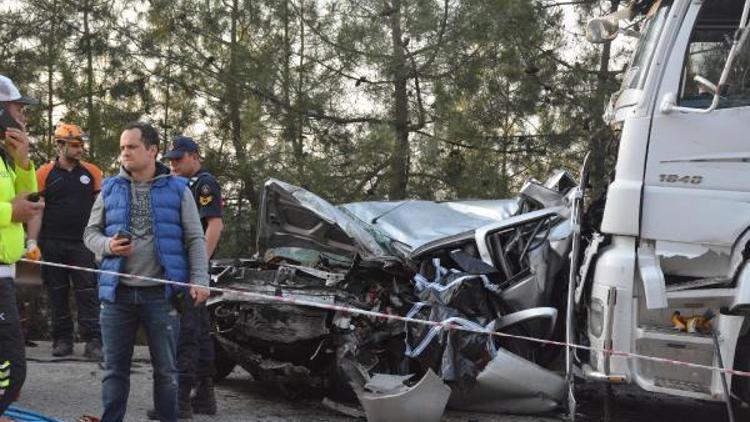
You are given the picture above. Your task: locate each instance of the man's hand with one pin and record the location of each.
(122, 247)
(23, 209)
(199, 294)
(32, 250)
(17, 144)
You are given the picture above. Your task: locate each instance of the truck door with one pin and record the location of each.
(697, 180)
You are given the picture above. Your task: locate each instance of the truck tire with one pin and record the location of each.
(223, 363)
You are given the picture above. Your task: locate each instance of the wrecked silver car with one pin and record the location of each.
(490, 265)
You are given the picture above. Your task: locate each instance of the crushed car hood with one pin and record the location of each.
(291, 216)
(416, 223)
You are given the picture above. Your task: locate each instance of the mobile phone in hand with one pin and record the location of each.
(7, 121)
(35, 196)
(124, 234)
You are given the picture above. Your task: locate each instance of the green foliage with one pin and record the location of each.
(350, 99)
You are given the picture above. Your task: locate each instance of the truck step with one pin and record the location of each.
(671, 336)
(681, 385)
(699, 284)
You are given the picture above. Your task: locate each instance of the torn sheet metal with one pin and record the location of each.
(591, 252)
(541, 194)
(456, 356)
(331, 279)
(511, 384)
(294, 217)
(654, 285)
(691, 260)
(389, 398)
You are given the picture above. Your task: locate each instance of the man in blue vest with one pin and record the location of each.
(144, 223)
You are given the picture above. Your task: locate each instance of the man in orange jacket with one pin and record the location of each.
(70, 186)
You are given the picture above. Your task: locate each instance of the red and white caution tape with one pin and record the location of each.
(447, 326)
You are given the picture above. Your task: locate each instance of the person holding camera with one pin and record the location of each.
(145, 223)
(70, 186)
(17, 180)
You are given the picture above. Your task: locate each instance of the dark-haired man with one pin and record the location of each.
(71, 185)
(144, 223)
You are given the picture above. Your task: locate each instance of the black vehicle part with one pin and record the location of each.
(741, 385)
(471, 264)
(223, 362)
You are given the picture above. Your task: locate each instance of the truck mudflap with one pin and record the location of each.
(511, 384)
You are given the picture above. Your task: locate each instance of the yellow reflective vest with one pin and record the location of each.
(12, 181)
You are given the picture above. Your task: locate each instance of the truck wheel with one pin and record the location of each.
(223, 363)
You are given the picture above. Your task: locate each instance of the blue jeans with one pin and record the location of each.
(120, 321)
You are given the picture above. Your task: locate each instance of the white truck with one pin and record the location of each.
(674, 240)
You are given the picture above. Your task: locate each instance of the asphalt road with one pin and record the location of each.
(71, 387)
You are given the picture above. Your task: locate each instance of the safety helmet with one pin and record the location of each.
(70, 132)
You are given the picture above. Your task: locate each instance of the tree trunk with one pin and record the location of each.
(400, 158)
(51, 61)
(234, 103)
(92, 121)
(601, 135)
(299, 138)
(167, 98)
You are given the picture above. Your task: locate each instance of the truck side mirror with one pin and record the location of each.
(604, 29)
(601, 30)
(669, 104)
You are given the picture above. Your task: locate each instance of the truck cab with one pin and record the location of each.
(676, 220)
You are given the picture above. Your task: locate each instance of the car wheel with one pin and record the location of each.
(223, 363)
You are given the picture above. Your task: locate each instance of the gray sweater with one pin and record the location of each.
(144, 261)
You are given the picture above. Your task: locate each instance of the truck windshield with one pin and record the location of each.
(635, 77)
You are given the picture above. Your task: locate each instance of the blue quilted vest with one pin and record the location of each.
(166, 204)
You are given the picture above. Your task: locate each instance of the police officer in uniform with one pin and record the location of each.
(195, 353)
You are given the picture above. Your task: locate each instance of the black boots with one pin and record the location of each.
(62, 348)
(183, 402)
(93, 350)
(204, 402)
(184, 411)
